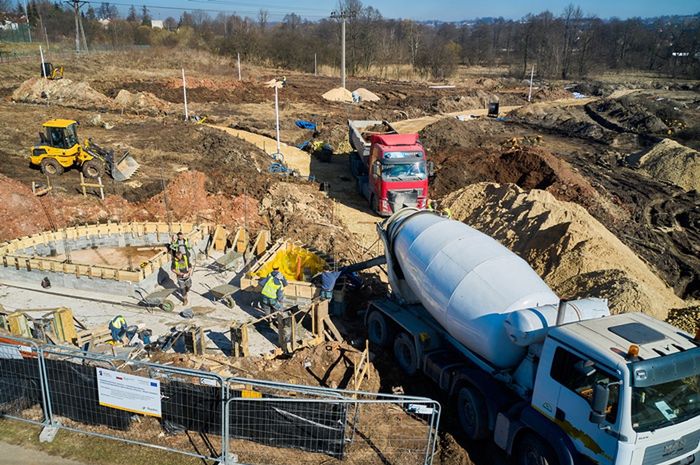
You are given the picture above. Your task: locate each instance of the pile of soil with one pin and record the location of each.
(299, 212)
(365, 95)
(339, 94)
(574, 253)
(143, 103)
(457, 103)
(197, 83)
(64, 92)
(641, 114)
(186, 197)
(672, 162)
(687, 319)
(527, 166)
(570, 121)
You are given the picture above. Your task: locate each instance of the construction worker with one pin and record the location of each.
(433, 207)
(118, 328)
(273, 291)
(327, 282)
(183, 270)
(181, 243)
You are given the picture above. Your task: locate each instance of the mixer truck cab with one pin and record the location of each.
(551, 382)
(623, 389)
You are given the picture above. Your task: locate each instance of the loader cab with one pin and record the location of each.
(60, 134)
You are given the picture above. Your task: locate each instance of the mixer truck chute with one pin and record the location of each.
(550, 381)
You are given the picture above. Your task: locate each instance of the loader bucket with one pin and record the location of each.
(124, 168)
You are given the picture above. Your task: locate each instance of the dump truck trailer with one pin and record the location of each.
(549, 381)
(390, 169)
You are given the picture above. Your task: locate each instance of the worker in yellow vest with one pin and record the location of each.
(183, 270)
(273, 291)
(118, 328)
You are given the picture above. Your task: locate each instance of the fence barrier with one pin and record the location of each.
(201, 414)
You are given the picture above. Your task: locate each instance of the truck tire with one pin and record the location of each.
(472, 413)
(51, 167)
(93, 169)
(532, 450)
(405, 353)
(379, 331)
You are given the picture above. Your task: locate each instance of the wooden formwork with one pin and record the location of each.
(10, 255)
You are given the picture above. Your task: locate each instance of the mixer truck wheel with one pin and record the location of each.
(471, 410)
(531, 450)
(378, 329)
(405, 353)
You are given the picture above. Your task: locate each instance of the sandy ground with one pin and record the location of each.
(18, 455)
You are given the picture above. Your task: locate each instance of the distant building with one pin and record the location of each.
(157, 23)
(7, 25)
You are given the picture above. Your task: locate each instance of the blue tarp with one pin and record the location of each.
(305, 124)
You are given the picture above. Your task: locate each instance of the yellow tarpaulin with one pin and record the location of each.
(294, 262)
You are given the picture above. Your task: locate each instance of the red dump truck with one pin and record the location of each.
(390, 168)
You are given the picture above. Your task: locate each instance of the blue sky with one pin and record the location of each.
(448, 10)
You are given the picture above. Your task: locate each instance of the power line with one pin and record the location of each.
(284, 8)
(205, 10)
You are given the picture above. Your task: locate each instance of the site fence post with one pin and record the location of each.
(43, 66)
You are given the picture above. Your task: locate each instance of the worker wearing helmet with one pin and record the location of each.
(273, 291)
(183, 270)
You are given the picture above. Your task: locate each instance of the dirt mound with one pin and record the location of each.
(672, 162)
(339, 94)
(203, 83)
(184, 199)
(75, 94)
(365, 95)
(564, 120)
(687, 319)
(575, 254)
(641, 114)
(142, 103)
(463, 155)
(298, 211)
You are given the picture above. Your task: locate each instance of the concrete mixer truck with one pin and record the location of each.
(551, 382)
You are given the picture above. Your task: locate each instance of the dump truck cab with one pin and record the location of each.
(623, 390)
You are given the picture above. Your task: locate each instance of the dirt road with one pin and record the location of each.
(417, 124)
(350, 206)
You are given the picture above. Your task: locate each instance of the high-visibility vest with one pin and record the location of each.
(184, 263)
(175, 245)
(118, 322)
(270, 289)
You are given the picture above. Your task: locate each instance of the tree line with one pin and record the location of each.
(567, 45)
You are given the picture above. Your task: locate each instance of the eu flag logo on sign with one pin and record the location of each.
(154, 384)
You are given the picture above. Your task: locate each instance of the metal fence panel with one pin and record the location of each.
(202, 415)
(191, 420)
(22, 395)
(277, 424)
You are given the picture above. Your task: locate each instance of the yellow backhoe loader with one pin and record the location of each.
(60, 149)
(49, 71)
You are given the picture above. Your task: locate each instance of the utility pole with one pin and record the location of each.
(315, 66)
(239, 66)
(342, 16)
(277, 115)
(29, 27)
(184, 94)
(79, 31)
